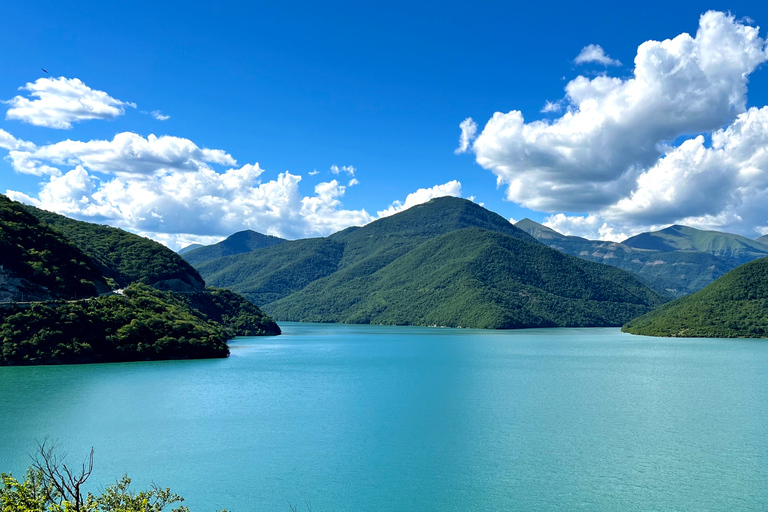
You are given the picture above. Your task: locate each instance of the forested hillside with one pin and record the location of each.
(736, 305)
(446, 262)
(37, 263)
(124, 257)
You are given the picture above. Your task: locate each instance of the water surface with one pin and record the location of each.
(406, 418)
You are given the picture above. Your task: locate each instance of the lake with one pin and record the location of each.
(358, 418)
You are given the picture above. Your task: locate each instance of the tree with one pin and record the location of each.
(52, 486)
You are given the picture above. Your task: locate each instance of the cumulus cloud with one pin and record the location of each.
(468, 131)
(353, 182)
(422, 195)
(169, 189)
(127, 153)
(8, 141)
(159, 115)
(590, 226)
(335, 169)
(610, 155)
(723, 186)
(595, 53)
(59, 102)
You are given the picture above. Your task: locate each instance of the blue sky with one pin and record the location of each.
(302, 87)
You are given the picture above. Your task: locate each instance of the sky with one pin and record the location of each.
(187, 122)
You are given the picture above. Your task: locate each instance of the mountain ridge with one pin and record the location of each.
(352, 275)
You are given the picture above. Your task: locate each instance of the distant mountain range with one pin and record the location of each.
(447, 262)
(677, 261)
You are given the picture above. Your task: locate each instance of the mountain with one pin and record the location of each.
(38, 263)
(50, 312)
(123, 257)
(141, 323)
(684, 238)
(674, 272)
(762, 239)
(735, 305)
(445, 262)
(474, 278)
(190, 247)
(240, 242)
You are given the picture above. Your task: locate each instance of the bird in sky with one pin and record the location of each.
(44, 70)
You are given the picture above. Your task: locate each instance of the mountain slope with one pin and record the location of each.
(124, 257)
(735, 305)
(266, 275)
(190, 247)
(673, 272)
(684, 238)
(474, 278)
(238, 243)
(269, 274)
(445, 262)
(37, 263)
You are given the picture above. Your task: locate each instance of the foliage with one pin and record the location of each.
(268, 274)
(141, 324)
(50, 486)
(32, 251)
(238, 243)
(122, 256)
(735, 305)
(238, 316)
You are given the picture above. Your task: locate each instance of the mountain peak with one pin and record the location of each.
(236, 243)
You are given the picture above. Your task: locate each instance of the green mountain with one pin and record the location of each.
(190, 247)
(37, 263)
(446, 262)
(124, 257)
(673, 272)
(684, 238)
(240, 242)
(56, 266)
(474, 278)
(735, 305)
(142, 323)
(762, 239)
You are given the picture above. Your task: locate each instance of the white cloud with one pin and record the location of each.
(608, 155)
(126, 154)
(591, 226)
(335, 169)
(422, 195)
(353, 182)
(468, 131)
(59, 102)
(8, 141)
(314, 172)
(159, 115)
(552, 106)
(595, 53)
(723, 186)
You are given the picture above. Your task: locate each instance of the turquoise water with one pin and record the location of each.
(413, 419)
